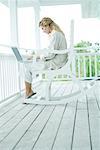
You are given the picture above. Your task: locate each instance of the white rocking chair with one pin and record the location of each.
(48, 99)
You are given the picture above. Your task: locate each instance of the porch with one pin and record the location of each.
(74, 126)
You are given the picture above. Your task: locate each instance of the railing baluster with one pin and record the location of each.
(79, 66)
(9, 77)
(95, 64)
(90, 70)
(84, 66)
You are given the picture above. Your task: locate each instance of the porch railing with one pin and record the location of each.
(11, 83)
(87, 66)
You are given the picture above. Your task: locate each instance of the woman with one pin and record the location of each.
(49, 61)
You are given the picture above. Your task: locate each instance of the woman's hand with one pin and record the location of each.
(30, 57)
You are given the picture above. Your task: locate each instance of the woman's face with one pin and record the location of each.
(46, 29)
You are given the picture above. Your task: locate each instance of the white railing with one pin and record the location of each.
(87, 66)
(11, 82)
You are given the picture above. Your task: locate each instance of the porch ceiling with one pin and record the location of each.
(90, 8)
(24, 3)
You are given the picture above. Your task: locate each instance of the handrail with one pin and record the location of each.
(85, 48)
(9, 46)
(53, 51)
(87, 54)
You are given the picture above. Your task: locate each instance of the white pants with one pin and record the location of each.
(31, 69)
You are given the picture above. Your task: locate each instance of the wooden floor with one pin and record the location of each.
(74, 126)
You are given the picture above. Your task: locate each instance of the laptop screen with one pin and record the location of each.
(17, 54)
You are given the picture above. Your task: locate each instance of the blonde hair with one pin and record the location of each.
(46, 21)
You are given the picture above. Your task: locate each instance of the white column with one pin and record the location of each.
(13, 22)
(72, 46)
(14, 32)
(37, 19)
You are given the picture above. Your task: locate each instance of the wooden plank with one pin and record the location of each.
(94, 121)
(62, 86)
(23, 127)
(11, 114)
(46, 139)
(32, 135)
(67, 86)
(8, 127)
(20, 128)
(64, 137)
(57, 89)
(7, 107)
(97, 93)
(81, 136)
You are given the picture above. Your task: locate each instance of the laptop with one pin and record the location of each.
(18, 56)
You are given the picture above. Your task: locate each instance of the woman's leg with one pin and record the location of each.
(30, 73)
(28, 89)
(28, 80)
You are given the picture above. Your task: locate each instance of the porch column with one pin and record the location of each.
(72, 46)
(36, 5)
(13, 22)
(14, 32)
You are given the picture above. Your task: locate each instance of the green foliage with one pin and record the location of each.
(83, 44)
(87, 61)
